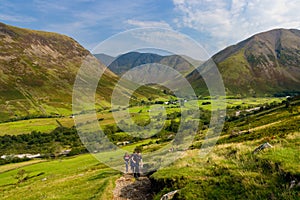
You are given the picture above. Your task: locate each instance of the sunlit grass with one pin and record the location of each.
(7, 167)
(213, 177)
(44, 125)
(81, 177)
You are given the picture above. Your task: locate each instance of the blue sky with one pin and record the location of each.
(213, 24)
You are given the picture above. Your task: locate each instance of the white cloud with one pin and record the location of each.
(228, 22)
(48, 6)
(16, 18)
(90, 23)
(147, 24)
(166, 40)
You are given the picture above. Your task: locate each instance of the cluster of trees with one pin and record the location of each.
(263, 107)
(47, 144)
(54, 143)
(13, 160)
(32, 116)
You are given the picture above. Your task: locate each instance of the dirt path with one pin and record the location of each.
(128, 188)
(262, 126)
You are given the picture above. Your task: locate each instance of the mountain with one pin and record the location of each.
(267, 63)
(194, 62)
(38, 70)
(128, 61)
(104, 58)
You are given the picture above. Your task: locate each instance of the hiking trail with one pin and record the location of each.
(128, 188)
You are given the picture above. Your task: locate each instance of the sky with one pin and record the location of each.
(214, 24)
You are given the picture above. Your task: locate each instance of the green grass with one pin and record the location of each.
(114, 157)
(81, 177)
(252, 101)
(130, 148)
(12, 166)
(232, 171)
(27, 126)
(286, 152)
(11, 94)
(140, 113)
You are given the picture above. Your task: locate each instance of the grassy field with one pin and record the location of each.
(243, 103)
(81, 177)
(139, 113)
(230, 171)
(13, 166)
(27, 126)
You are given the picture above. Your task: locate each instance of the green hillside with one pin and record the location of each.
(38, 70)
(265, 64)
(232, 170)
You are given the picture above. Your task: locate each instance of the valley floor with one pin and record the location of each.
(230, 171)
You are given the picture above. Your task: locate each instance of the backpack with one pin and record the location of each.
(136, 158)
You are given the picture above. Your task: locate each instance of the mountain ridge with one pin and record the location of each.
(104, 58)
(130, 60)
(38, 70)
(265, 64)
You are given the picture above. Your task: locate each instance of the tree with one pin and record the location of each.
(56, 149)
(138, 149)
(21, 176)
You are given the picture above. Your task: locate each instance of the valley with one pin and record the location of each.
(230, 161)
(202, 146)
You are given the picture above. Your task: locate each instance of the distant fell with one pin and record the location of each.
(104, 58)
(128, 61)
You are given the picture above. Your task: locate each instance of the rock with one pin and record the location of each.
(262, 147)
(293, 183)
(168, 195)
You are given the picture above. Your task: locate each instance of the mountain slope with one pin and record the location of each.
(264, 64)
(105, 59)
(38, 70)
(128, 61)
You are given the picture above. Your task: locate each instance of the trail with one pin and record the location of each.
(128, 188)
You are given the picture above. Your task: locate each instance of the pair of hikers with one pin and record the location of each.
(135, 161)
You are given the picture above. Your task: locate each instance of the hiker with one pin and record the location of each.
(137, 160)
(131, 164)
(126, 159)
